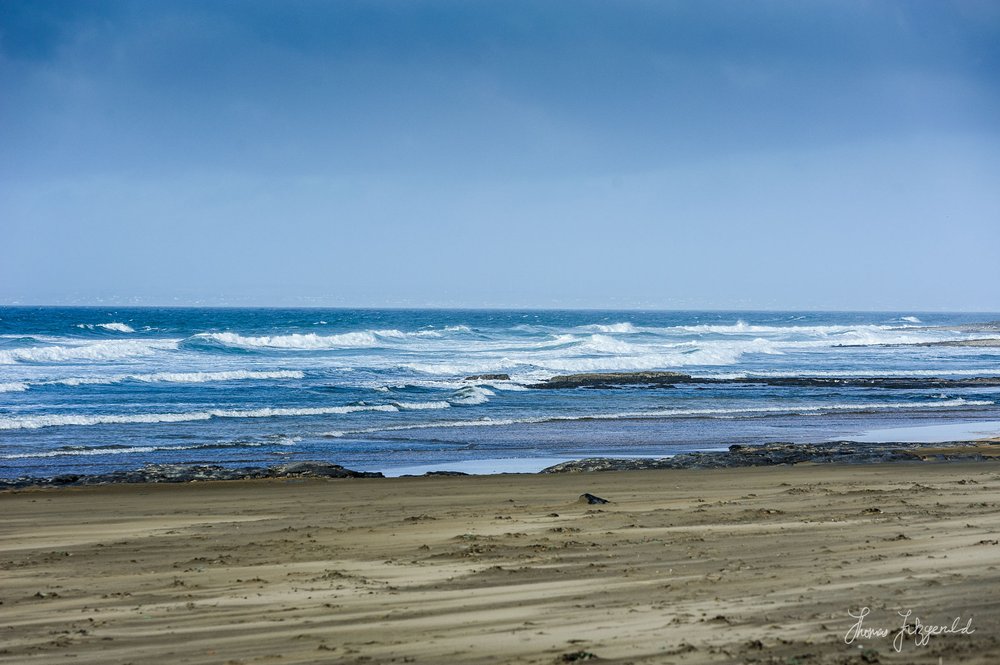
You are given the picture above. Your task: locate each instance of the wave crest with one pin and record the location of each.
(114, 326)
(110, 350)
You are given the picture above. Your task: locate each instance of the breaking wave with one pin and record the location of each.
(110, 350)
(172, 377)
(74, 451)
(673, 413)
(56, 420)
(623, 328)
(114, 327)
(471, 395)
(313, 342)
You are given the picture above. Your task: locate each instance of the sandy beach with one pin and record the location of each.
(682, 566)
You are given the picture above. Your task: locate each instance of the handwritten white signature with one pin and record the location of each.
(921, 633)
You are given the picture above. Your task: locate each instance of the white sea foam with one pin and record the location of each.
(101, 351)
(13, 387)
(131, 450)
(832, 333)
(113, 326)
(672, 413)
(420, 406)
(614, 328)
(307, 341)
(605, 344)
(911, 319)
(159, 377)
(471, 395)
(313, 342)
(56, 420)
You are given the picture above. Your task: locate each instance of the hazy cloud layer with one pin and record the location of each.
(702, 154)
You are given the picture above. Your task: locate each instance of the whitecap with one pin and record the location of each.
(177, 377)
(54, 420)
(471, 395)
(107, 350)
(613, 328)
(114, 326)
(803, 409)
(73, 451)
(421, 406)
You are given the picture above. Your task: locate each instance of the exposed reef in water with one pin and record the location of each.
(670, 379)
(963, 342)
(186, 473)
(983, 327)
(771, 454)
(607, 379)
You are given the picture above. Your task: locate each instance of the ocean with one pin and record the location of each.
(88, 390)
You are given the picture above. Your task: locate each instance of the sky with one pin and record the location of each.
(680, 155)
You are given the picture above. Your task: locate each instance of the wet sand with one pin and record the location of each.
(683, 566)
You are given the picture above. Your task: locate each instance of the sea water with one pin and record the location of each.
(89, 390)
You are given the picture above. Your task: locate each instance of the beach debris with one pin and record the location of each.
(592, 499)
(577, 656)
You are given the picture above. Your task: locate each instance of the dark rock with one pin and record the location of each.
(488, 377)
(65, 479)
(670, 379)
(446, 473)
(896, 383)
(608, 379)
(319, 470)
(590, 498)
(186, 473)
(840, 452)
(984, 327)
(988, 343)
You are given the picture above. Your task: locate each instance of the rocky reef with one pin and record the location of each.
(610, 379)
(670, 379)
(186, 473)
(771, 454)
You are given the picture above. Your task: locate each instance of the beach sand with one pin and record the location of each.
(690, 566)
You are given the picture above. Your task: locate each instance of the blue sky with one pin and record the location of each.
(778, 155)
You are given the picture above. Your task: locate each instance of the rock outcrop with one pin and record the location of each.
(186, 473)
(611, 379)
(670, 379)
(771, 454)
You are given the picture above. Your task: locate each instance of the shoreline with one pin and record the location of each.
(735, 456)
